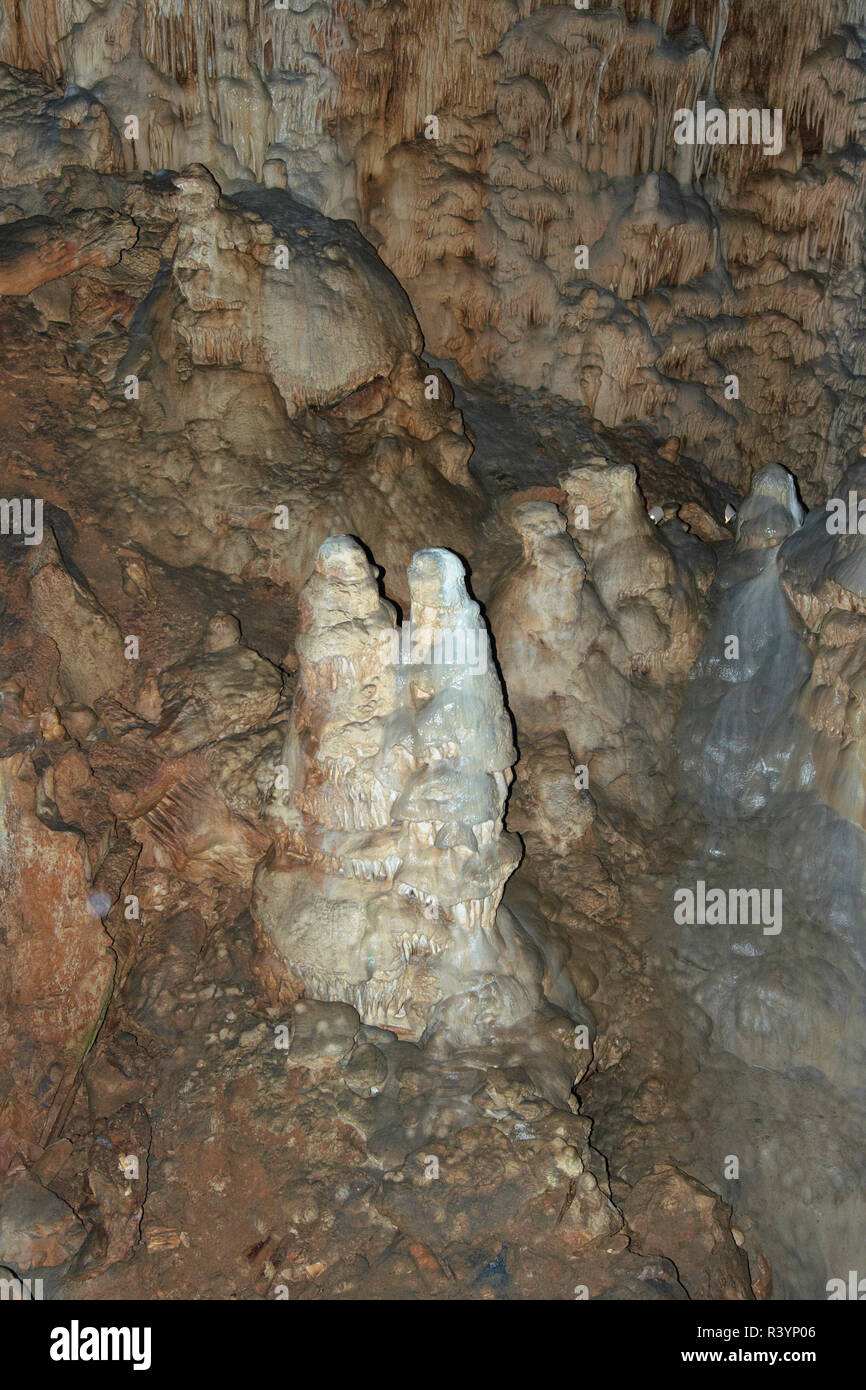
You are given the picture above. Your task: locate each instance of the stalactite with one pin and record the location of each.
(545, 112)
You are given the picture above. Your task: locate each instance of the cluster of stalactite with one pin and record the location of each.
(549, 123)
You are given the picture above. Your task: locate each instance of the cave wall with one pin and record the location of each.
(553, 129)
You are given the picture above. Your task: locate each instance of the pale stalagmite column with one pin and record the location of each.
(390, 857)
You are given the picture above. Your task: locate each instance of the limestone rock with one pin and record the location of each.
(265, 282)
(38, 1232)
(591, 624)
(223, 690)
(56, 963)
(672, 1214)
(35, 250)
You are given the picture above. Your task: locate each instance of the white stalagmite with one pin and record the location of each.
(385, 884)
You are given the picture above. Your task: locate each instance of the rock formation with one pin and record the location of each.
(34, 250)
(596, 628)
(531, 193)
(385, 886)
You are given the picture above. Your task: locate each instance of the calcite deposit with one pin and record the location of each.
(432, 650)
(385, 885)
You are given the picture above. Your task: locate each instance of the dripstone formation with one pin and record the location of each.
(385, 885)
